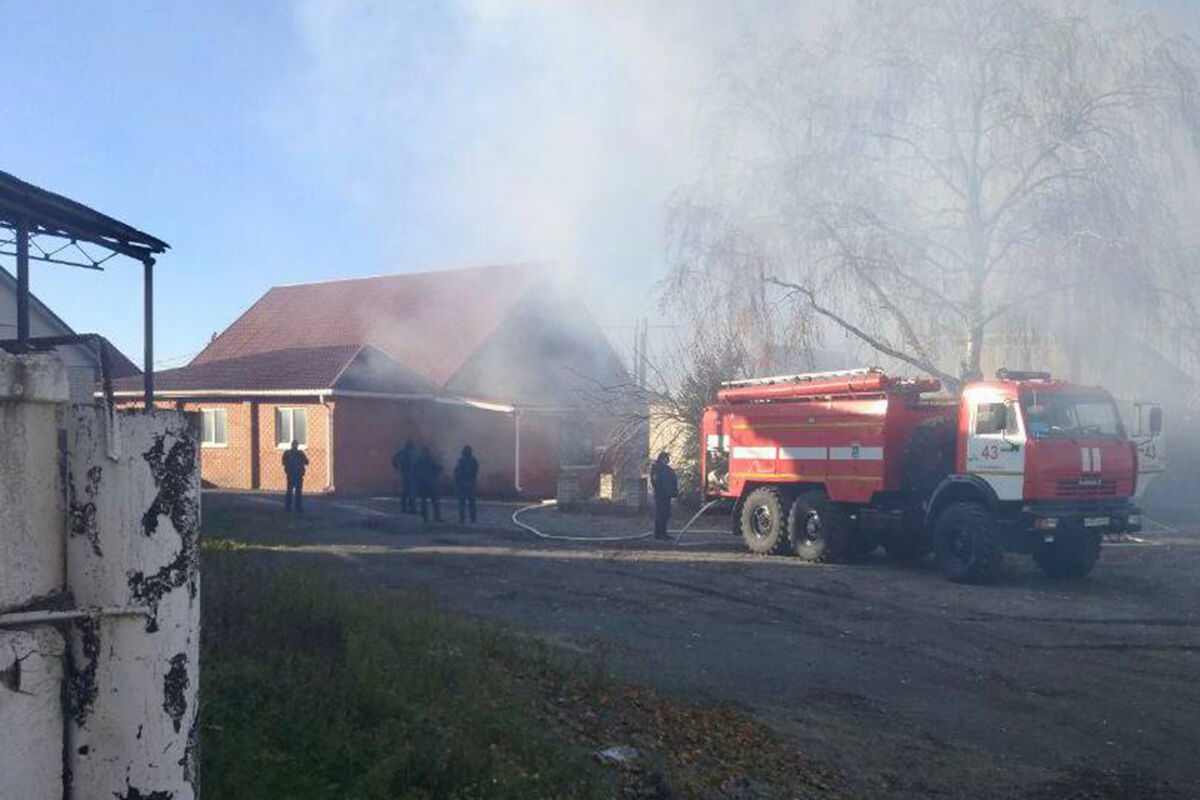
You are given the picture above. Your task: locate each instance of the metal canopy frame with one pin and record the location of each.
(39, 225)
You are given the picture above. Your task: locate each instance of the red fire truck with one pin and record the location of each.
(827, 466)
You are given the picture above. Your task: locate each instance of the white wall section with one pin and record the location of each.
(99, 594)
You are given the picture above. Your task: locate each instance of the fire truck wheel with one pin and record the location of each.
(818, 529)
(967, 547)
(1071, 557)
(764, 528)
(737, 516)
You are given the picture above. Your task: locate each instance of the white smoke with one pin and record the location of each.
(489, 131)
(520, 130)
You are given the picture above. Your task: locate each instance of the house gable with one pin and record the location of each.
(548, 352)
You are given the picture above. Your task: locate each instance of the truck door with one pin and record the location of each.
(1147, 438)
(996, 443)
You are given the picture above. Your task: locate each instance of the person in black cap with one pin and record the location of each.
(425, 472)
(294, 464)
(666, 485)
(465, 473)
(403, 462)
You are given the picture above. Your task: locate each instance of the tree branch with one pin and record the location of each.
(949, 381)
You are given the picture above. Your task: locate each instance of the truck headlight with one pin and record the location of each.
(1045, 523)
(1134, 519)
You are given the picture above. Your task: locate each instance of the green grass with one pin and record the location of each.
(260, 525)
(315, 690)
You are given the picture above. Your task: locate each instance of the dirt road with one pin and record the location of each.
(907, 685)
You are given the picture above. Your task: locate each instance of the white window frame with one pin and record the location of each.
(285, 443)
(225, 417)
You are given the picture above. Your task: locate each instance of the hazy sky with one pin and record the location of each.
(283, 142)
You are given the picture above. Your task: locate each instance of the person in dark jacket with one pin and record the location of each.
(426, 471)
(465, 473)
(666, 486)
(403, 462)
(294, 464)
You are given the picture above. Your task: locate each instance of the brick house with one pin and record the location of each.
(499, 357)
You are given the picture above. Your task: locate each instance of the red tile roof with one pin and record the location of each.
(280, 370)
(429, 322)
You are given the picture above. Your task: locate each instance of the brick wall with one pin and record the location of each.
(367, 432)
(271, 476)
(228, 466)
(250, 458)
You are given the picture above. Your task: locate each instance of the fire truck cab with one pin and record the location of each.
(828, 466)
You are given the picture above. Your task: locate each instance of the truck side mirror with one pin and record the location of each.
(1156, 420)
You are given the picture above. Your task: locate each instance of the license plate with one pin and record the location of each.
(1095, 522)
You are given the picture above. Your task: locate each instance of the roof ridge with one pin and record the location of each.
(435, 271)
(430, 322)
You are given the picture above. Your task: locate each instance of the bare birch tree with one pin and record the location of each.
(926, 174)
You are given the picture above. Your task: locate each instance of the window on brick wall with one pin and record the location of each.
(291, 424)
(213, 427)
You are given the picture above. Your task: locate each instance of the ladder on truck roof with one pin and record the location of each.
(803, 377)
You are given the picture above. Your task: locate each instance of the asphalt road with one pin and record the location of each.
(906, 684)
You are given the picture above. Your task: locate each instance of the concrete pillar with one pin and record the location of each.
(134, 680)
(31, 753)
(33, 393)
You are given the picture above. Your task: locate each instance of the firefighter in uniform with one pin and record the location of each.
(666, 486)
(465, 473)
(426, 471)
(294, 464)
(403, 462)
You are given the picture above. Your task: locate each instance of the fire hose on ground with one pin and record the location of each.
(622, 538)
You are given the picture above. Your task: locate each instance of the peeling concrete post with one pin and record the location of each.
(99, 518)
(133, 541)
(33, 394)
(31, 754)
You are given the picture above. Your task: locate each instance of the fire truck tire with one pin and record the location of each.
(763, 522)
(819, 532)
(967, 545)
(929, 455)
(736, 517)
(1071, 557)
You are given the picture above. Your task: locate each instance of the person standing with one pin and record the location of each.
(403, 462)
(294, 464)
(466, 471)
(666, 486)
(426, 471)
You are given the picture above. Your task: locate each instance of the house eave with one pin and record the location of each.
(454, 400)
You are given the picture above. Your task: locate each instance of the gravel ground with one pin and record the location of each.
(905, 684)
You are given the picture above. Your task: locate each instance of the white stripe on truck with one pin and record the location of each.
(757, 453)
(801, 453)
(856, 453)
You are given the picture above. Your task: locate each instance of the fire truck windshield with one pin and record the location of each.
(1050, 414)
